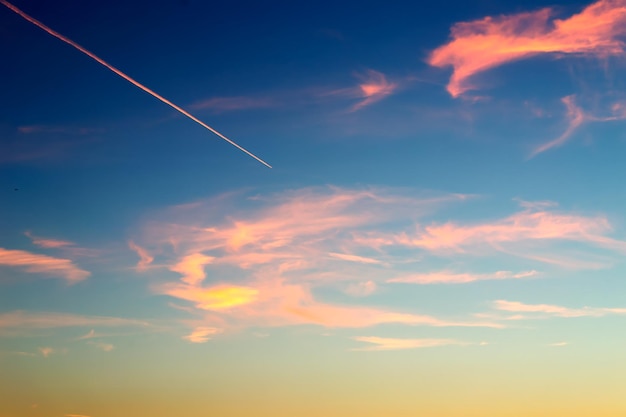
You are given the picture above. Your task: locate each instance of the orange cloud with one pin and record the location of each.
(487, 43)
(448, 277)
(43, 264)
(201, 334)
(385, 343)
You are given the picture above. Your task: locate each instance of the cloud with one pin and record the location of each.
(33, 129)
(43, 264)
(48, 243)
(281, 248)
(527, 225)
(549, 310)
(238, 103)
(383, 343)
(201, 334)
(192, 267)
(374, 87)
(449, 277)
(362, 289)
(106, 347)
(576, 117)
(46, 351)
(253, 260)
(558, 344)
(23, 320)
(480, 45)
(221, 297)
(145, 259)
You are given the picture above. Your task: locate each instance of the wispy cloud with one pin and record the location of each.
(43, 264)
(558, 344)
(549, 310)
(202, 334)
(46, 351)
(145, 259)
(450, 277)
(527, 225)
(71, 130)
(384, 343)
(487, 43)
(280, 245)
(374, 87)
(105, 347)
(362, 289)
(237, 103)
(576, 117)
(25, 320)
(48, 243)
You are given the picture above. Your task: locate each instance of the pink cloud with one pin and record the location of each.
(385, 343)
(43, 264)
(449, 277)
(490, 42)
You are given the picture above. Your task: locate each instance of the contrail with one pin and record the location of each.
(127, 78)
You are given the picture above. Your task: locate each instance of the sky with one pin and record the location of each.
(441, 232)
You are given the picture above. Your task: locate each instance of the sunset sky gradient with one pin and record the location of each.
(441, 234)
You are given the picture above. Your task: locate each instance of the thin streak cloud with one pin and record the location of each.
(549, 310)
(43, 264)
(449, 277)
(576, 117)
(48, 243)
(385, 343)
(127, 78)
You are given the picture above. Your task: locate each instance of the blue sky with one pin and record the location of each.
(445, 197)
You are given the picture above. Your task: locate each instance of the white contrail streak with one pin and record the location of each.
(127, 78)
